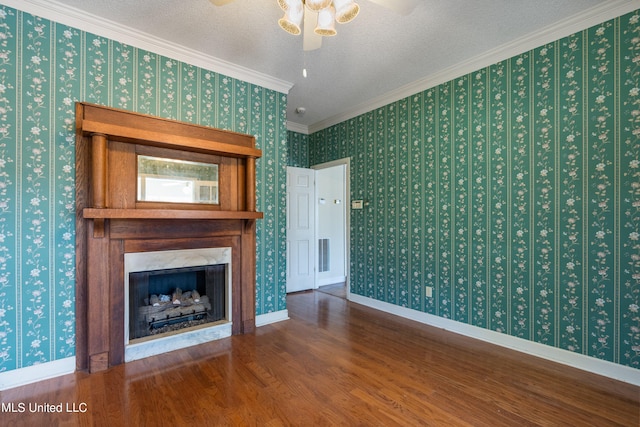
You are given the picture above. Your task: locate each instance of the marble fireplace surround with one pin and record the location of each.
(149, 261)
(111, 223)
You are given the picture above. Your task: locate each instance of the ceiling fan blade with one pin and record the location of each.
(310, 40)
(221, 2)
(403, 7)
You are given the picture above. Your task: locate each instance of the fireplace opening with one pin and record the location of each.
(168, 300)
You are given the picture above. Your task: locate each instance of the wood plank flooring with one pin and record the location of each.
(338, 290)
(333, 363)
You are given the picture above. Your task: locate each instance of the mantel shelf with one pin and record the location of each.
(106, 213)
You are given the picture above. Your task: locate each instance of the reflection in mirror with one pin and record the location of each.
(177, 181)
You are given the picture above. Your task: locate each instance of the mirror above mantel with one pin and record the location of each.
(118, 140)
(176, 181)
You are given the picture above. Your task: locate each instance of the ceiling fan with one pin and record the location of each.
(320, 16)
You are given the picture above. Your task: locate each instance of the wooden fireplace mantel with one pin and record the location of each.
(110, 221)
(93, 213)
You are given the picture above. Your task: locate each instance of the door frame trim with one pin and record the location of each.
(346, 161)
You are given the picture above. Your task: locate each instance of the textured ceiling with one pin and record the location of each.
(377, 53)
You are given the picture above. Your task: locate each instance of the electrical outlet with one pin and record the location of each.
(429, 291)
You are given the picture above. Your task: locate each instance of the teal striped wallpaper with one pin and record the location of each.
(44, 68)
(514, 191)
(298, 149)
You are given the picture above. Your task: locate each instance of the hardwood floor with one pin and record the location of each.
(338, 290)
(333, 363)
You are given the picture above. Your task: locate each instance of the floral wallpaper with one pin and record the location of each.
(513, 191)
(298, 149)
(45, 68)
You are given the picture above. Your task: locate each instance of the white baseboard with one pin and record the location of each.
(565, 357)
(35, 373)
(276, 316)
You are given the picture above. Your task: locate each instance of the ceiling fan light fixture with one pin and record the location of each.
(317, 5)
(346, 10)
(292, 19)
(326, 22)
(286, 4)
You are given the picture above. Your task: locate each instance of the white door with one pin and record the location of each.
(300, 229)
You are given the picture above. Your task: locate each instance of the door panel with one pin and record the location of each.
(303, 207)
(300, 229)
(303, 259)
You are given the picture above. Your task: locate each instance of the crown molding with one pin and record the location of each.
(82, 20)
(596, 15)
(93, 24)
(297, 127)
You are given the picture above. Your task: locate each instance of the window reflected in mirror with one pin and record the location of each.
(177, 181)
